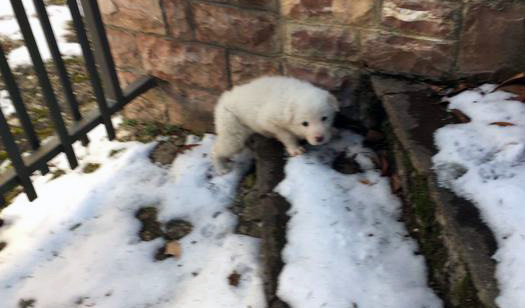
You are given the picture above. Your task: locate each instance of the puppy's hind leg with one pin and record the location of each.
(231, 137)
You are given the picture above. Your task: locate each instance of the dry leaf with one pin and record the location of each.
(518, 89)
(395, 183)
(516, 79)
(516, 85)
(173, 248)
(374, 136)
(234, 279)
(186, 147)
(463, 118)
(384, 165)
(440, 90)
(365, 181)
(458, 89)
(502, 124)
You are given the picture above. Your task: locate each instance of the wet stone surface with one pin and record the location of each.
(455, 242)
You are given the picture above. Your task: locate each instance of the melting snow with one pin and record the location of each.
(58, 16)
(485, 163)
(346, 247)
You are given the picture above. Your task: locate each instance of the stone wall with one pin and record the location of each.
(203, 47)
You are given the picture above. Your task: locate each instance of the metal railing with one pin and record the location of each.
(109, 96)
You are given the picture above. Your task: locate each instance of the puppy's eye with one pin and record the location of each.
(304, 123)
(323, 119)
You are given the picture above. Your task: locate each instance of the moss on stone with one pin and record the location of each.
(420, 218)
(464, 294)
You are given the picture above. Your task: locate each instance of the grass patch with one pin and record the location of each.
(148, 131)
(9, 44)
(56, 2)
(57, 173)
(90, 167)
(26, 303)
(115, 152)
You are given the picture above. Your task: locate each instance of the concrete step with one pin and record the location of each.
(455, 242)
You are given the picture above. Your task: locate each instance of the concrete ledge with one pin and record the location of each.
(457, 245)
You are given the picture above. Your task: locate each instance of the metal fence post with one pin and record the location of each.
(101, 49)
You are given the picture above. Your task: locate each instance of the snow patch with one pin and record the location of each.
(59, 16)
(485, 163)
(345, 245)
(77, 244)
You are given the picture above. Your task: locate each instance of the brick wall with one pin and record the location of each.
(201, 48)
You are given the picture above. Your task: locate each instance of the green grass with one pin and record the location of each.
(56, 2)
(90, 167)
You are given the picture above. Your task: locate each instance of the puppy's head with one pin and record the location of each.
(313, 117)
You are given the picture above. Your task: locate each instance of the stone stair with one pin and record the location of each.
(455, 242)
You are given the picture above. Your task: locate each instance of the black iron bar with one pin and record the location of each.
(18, 103)
(105, 62)
(59, 63)
(45, 84)
(89, 60)
(52, 147)
(22, 172)
(16, 99)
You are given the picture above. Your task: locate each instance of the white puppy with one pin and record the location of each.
(285, 108)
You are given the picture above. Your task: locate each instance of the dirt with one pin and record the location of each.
(90, 167)
(32, 97)
(151, 229)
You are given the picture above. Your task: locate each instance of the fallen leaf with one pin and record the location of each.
(518, 89)
(502, 124)
(440, 90)
(516, 85)
(463, 118)
(395, 183)
(365, 181)
(186, 147)
(384, 165)
(456, 90)
(373, 136)
(234, 279)
(516, 79)
(173, 248)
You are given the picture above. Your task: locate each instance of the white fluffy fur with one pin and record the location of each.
(274, 107)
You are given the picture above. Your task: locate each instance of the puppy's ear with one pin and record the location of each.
(333, 102)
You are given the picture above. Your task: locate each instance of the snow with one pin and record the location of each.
(486, 164)
(103, 262)
(5, 104)
(58, 16)
(345, 245)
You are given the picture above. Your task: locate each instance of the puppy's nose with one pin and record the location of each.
(319, 138)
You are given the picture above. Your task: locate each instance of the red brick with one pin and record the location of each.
(320, 74)
(244, 67)
(143, 15)
(150, 106)
(259, 4)
(188, 63)
(177, 19)
(435, 18)
(398, 54)
(191, 108)
(492, 39)
(322, 42)
(232, 27)
(124, 49)
(330, 11)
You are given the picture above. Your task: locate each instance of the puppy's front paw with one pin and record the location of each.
(295, 151)
(222, 166)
